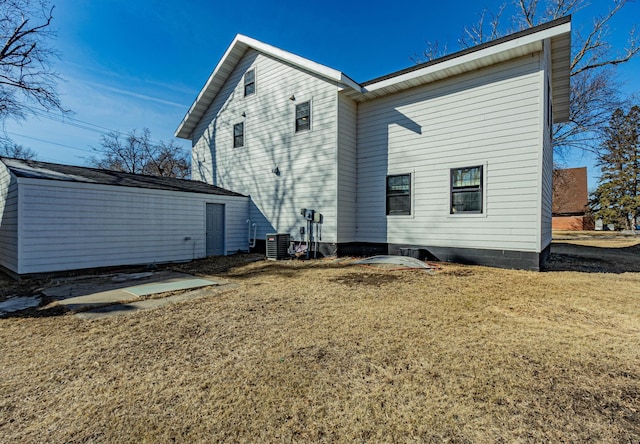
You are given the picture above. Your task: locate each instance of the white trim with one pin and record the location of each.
(20, 230)
(542, 122)
(296, 60)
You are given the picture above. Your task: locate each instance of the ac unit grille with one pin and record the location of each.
(278, 246)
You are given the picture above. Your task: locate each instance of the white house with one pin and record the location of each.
(59, 217)
(452, 157)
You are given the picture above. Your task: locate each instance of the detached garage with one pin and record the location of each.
(59, 217)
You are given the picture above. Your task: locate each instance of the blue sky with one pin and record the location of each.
(140, 64)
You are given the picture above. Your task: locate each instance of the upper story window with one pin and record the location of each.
(250, 82)
(466, 190)
(238, 135)
(399, 194)
(303, 116)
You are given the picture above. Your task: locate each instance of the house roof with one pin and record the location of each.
(52, 171)
(496, 51)
(514, 45)
(241, 43)
(570, 195)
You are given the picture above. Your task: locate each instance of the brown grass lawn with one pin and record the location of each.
(328, 352)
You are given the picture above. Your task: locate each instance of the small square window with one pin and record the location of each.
(466, 190)
(250, 82)
(303, 116)
(399, 195)
(238, 135)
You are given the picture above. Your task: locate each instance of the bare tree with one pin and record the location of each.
(594, 93)
(8, 148)
(26, 74)
(169, 161)
(433, 50)
(136, 153)
(487, 28)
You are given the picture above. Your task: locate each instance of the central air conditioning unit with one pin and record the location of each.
(278, 246)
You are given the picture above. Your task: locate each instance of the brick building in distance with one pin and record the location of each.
(570, 203)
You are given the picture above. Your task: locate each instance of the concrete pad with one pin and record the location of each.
(148, 304)
(163, 287)
(96, 299)
(102, 291)
(98, 284)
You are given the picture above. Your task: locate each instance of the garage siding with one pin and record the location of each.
(8, 220)
(67, 225)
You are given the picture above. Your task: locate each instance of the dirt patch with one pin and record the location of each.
(370, 279)
(595, 255)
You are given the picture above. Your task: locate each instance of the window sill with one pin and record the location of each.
(467, 215)
(400, 216)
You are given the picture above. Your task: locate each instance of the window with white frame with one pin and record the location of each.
(303, 116)
(466, 190)
(238, 135)
(250, 82)
(399, 195)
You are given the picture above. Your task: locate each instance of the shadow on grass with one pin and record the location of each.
(37, 312)
(588, 259)
(285, 268)
(46, 311)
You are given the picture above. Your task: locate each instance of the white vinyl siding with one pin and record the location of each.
(8, 220)
(306, 160)
(347, 169)
(547, 154)
(488, 117)
(66, 225)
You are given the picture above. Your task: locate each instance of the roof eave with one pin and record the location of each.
(472, 60)
(186, 127)
(509, 47)
(561, 76)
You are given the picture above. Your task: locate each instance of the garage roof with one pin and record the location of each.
(52, 171)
